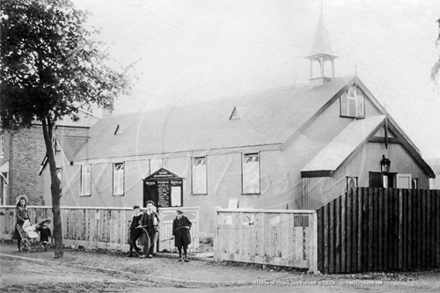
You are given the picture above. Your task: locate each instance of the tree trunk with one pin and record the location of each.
(54, 187)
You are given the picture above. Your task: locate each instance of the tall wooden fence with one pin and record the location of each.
(378, 229)
(95, 227)
(273, 237)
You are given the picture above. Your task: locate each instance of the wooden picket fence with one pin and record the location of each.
(268, 237)
(98, 227)
(379, 229)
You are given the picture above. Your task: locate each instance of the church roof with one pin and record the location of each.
(264, 118)
(343, 145)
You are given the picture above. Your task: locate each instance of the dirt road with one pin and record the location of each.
(97, 272)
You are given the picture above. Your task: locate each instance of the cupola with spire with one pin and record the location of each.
(321, 53)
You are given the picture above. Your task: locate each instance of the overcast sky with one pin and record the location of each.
(194, 50)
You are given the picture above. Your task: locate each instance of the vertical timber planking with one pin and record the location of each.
(338, 235)
(400, 216)
(326, 239)
(370, 228)
(365, 230)
(343, 232)
(376, 245)
(359, 225)
(332, 237)
(349, 235)
(320, 213)
(409, 228)
(386, 230)
(380, 229)
(355, 234)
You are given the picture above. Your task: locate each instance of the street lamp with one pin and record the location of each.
(385, 164)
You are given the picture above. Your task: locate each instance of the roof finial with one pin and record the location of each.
(355, 71)
(355, 68)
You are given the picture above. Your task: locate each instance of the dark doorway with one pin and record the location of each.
(379, 179)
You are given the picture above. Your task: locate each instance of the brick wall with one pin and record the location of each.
(26, 154)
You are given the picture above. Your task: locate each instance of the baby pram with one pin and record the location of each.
(30, 239)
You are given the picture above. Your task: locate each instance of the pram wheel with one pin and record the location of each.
(40, 247)
(26, 247)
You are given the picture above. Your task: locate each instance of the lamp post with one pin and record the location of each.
(385, 165)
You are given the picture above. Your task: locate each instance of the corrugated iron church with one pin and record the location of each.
(295, 147)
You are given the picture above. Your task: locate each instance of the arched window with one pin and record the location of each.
(352, 182)
(352, 103)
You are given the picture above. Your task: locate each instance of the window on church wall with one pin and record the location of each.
(353, 103)
(251, 173)
(2, 142)
(3, 188)
(415, 183)
(199, 176)
(118, 178)
(352, 182)
(85, 180)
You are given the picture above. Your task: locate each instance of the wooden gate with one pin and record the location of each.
(167, 216)
(274, 237)
(379, 229)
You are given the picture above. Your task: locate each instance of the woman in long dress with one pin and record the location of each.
(21, 215)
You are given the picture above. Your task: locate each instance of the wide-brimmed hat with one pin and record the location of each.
(149, 201)
(179, 212)
(21, 197)
(47, 221)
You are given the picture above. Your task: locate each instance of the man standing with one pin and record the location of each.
(135, 231)
(182, 238)
(150, 221)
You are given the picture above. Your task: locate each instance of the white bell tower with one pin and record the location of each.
(321, 54)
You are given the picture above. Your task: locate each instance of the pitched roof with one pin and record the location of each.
(267, 118)
(86, 119)
(70, 145)
(4, 168)
(162, 173)
(321, 42)
(435, 165)
(343, 145)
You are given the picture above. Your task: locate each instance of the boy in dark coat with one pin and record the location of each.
(182, 238)
(135, 231)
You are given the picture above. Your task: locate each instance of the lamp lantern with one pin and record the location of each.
(385, 164)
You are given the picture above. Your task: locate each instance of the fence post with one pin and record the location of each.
(216, 237)
(313, 262)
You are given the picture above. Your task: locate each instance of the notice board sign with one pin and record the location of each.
(163, 193)
(164, 188)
